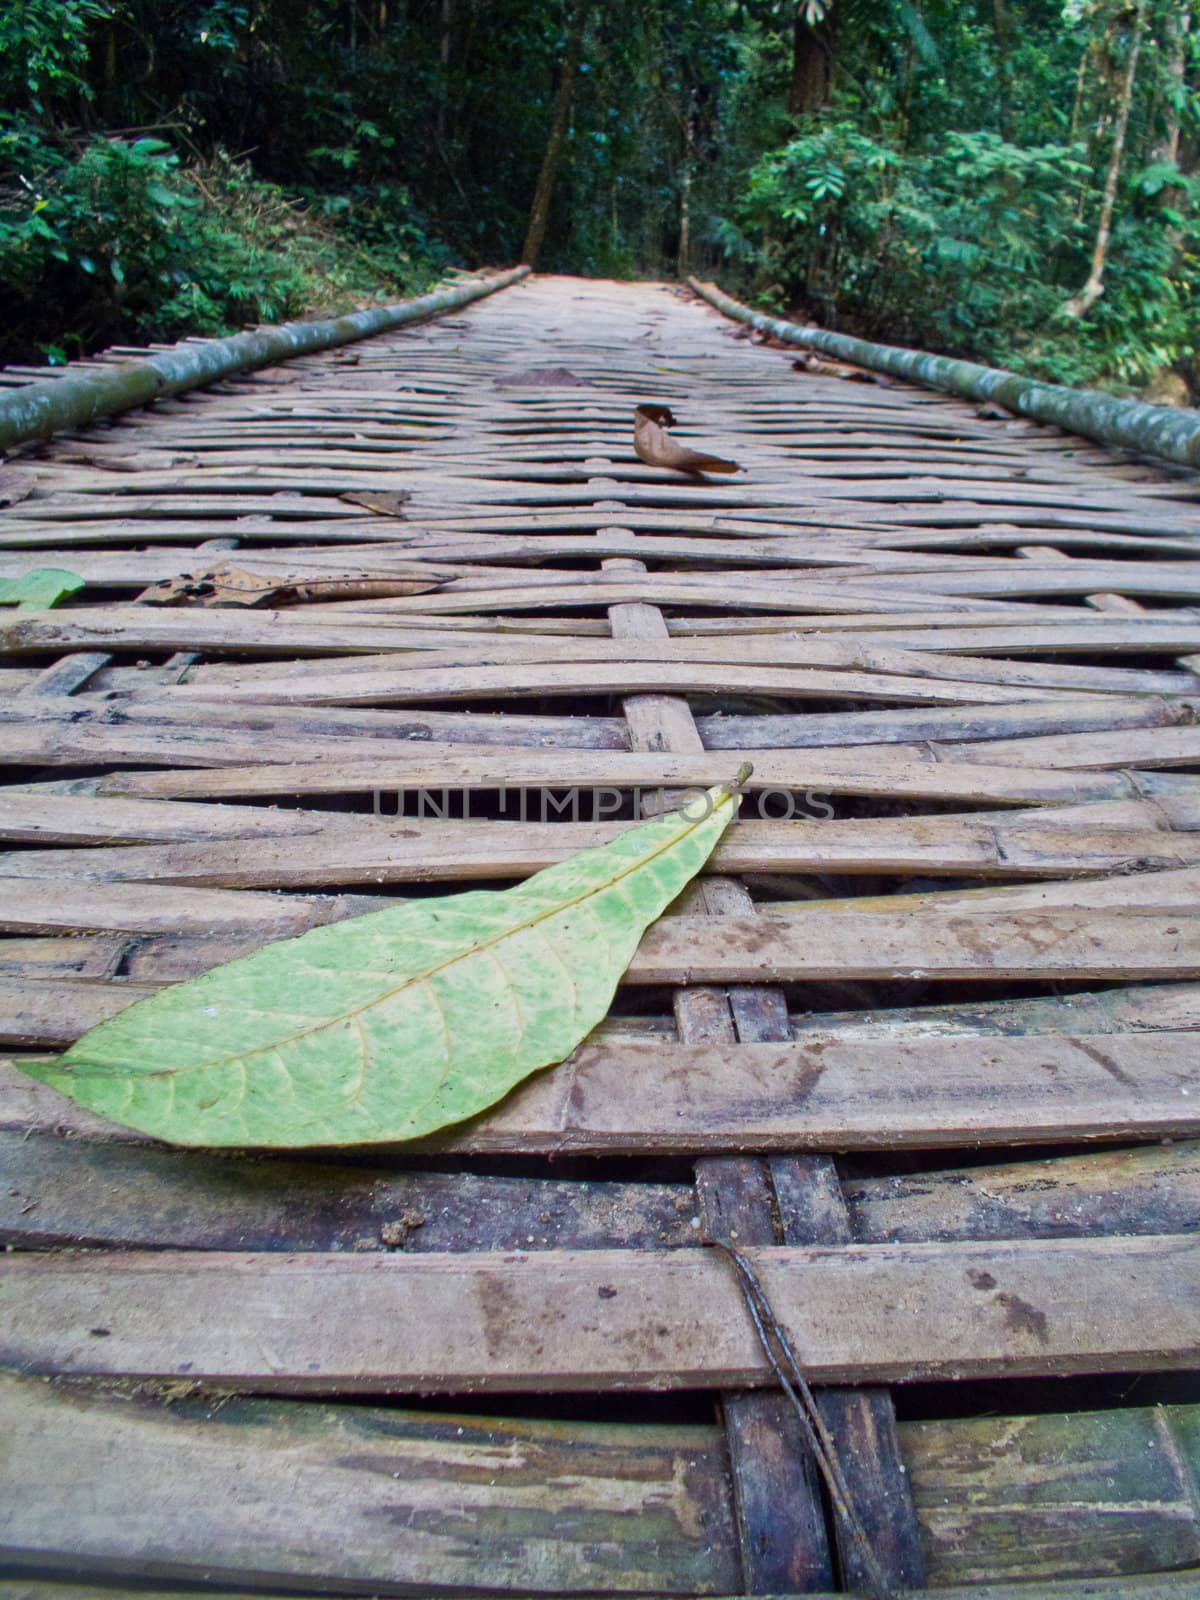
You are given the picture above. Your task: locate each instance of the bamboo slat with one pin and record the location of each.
(503, 1323)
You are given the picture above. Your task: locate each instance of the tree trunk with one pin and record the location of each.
(108, 87)
(1080, 89)
(539, 212)
(812, 64)
(685, 197)
(1079, 305)
(1002, 24)
(1177, 41)
(447, 21)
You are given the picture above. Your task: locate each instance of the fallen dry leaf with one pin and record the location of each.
(822, 367)
(14, 485)
(234, 586)
(655, 446)
(389, 503)
(541, 378)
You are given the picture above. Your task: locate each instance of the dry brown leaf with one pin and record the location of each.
(14, 485)
(388, 503)
(234, 586)
(655, 446)
(541, 378)
(822, 367)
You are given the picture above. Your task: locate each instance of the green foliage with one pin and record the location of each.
(949, 195)
(937, 249)
(394, 1024)
(120, 240)
(114, 236)
(43, 51)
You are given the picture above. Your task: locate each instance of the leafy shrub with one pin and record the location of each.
(948, 249)
(123, 241)
(974, 248)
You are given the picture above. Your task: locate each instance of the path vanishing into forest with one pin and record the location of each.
(957, 922)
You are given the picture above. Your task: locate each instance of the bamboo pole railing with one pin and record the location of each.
(1164, 431)
(48, 406)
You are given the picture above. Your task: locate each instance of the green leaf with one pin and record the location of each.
(40, 589)
(391, 1025)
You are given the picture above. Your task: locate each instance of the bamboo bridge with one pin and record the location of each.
(922, 1043)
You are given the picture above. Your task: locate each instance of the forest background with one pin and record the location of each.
(1011, 180)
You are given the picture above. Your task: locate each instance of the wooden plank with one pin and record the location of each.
(391, 1500)
(370, 852)
(780, 1517)
(329, 454)
(1153, 1189)
(950, 725)
(328, 628)
(94, 728)
(1128, 747)
(66, 1192)
(70, 673)
(1168, 1007)
(889, 945)
(1132, 1586)
(436, 474)
(304, 495)
(317, 852)
(912, 772)
(143, 908)
(820, 1092)
(883, 945)
(426, 648)
(1043, 1497)
(1119, 836)
(365, 631)
(547, 1319)
(39, 814)
(109, 567)
(1168, 578)
(680, 665)
(863, 1094)
(968, 638)
(861, 1421)
(90, 732)
(1029, 627)
(632, 675)
(1141, 891)
(48, 1013)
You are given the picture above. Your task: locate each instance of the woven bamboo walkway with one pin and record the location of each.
(923, 1042)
